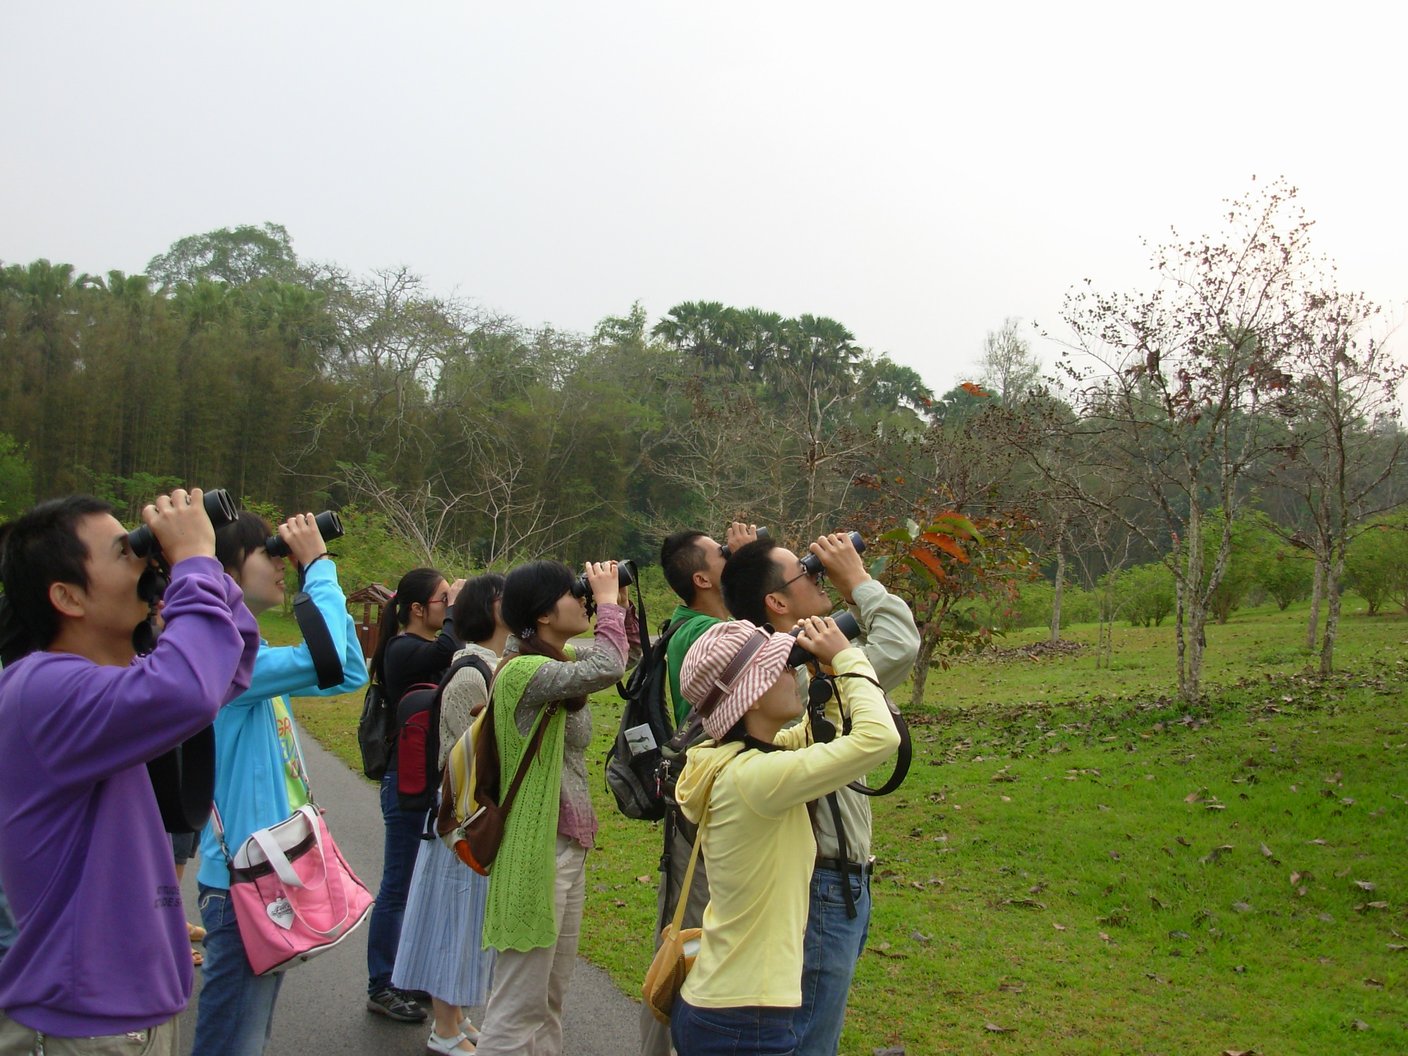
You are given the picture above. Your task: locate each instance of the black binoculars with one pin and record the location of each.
(845, 623)
(727, 553)
(812, 563)
(329, 526)
(625, 576)
(219, 507)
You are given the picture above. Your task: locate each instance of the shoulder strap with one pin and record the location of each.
(476, 662)
(326, 663)
(539, 728)
(682, 899)
(458, 666)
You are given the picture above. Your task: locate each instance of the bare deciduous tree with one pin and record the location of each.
(1169, 385)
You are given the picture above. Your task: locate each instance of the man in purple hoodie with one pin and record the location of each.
(102, 950)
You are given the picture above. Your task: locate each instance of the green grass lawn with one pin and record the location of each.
(1079, 864)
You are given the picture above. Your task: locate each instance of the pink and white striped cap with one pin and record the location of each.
(730, 666)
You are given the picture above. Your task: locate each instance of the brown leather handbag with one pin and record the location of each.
(675, 957)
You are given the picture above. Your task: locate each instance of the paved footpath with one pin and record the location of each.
(322, 1005)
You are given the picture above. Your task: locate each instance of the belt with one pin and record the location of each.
(838, 866)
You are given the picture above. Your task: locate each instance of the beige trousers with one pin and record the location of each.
(524, 1014)
(18, 1040)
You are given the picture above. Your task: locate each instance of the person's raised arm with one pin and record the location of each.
(598, 666)
(777, 781)
(95, 720)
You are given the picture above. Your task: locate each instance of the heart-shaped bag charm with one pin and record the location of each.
(280, 912)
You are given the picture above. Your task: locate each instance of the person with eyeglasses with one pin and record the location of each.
(767, 584)
(415, 643)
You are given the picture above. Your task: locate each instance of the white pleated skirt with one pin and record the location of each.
(441, 949)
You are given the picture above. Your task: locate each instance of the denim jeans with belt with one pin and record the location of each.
(833, 945)
(398, 863)
(751, 1031)
(235, 1013)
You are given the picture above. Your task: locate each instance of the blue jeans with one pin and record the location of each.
(235, 1015)
(731, 1031)
(830, 951)
(398, 863)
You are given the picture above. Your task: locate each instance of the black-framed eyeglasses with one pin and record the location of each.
(817, 577)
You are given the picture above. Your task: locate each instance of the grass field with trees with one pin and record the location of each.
(1079, 863)
(1158, 798)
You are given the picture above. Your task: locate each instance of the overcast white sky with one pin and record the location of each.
(917, 171)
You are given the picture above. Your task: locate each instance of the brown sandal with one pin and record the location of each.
(197, 958)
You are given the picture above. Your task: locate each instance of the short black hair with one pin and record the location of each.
(41, 547)
(750, 576)
(473, 612)
(531, 590)
(235, 541)
(680, 559)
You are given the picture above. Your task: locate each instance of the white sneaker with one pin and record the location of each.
(449, 1046)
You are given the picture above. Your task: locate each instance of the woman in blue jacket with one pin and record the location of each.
(259, 779)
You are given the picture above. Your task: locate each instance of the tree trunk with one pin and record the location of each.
(921, 669)
(1188, 605)
(1181, 644)
(1105, 642)
(1197, 643)
(1056, 593)
(1316, 589)
(1332, 619)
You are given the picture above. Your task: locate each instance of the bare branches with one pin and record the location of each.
(1178, 378)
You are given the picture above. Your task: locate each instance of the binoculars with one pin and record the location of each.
(625, 576)
(727, 553)
(812, 563)
(219, 507)
(845, 623)
(329, 526)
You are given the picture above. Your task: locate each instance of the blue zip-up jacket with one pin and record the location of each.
(250, 790)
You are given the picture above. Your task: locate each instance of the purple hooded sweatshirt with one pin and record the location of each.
(84, 859)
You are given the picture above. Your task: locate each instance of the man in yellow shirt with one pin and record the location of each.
(767, 583)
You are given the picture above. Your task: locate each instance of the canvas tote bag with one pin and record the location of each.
(293, 892)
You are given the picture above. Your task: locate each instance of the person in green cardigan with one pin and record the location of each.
(533, 915)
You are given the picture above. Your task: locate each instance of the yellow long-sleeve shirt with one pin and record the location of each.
(760, 850)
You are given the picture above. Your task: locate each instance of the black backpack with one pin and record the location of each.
(641, 763)
(418, 737)
(375, 731)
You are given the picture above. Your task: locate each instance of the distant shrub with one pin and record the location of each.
(1034, 601)
(1144, 594)
(1376, 566)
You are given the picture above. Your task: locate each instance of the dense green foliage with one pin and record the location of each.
(474, 437)
(1243, 406)
(1377, 564)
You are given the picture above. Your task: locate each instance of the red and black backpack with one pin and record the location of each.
(418, 736)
